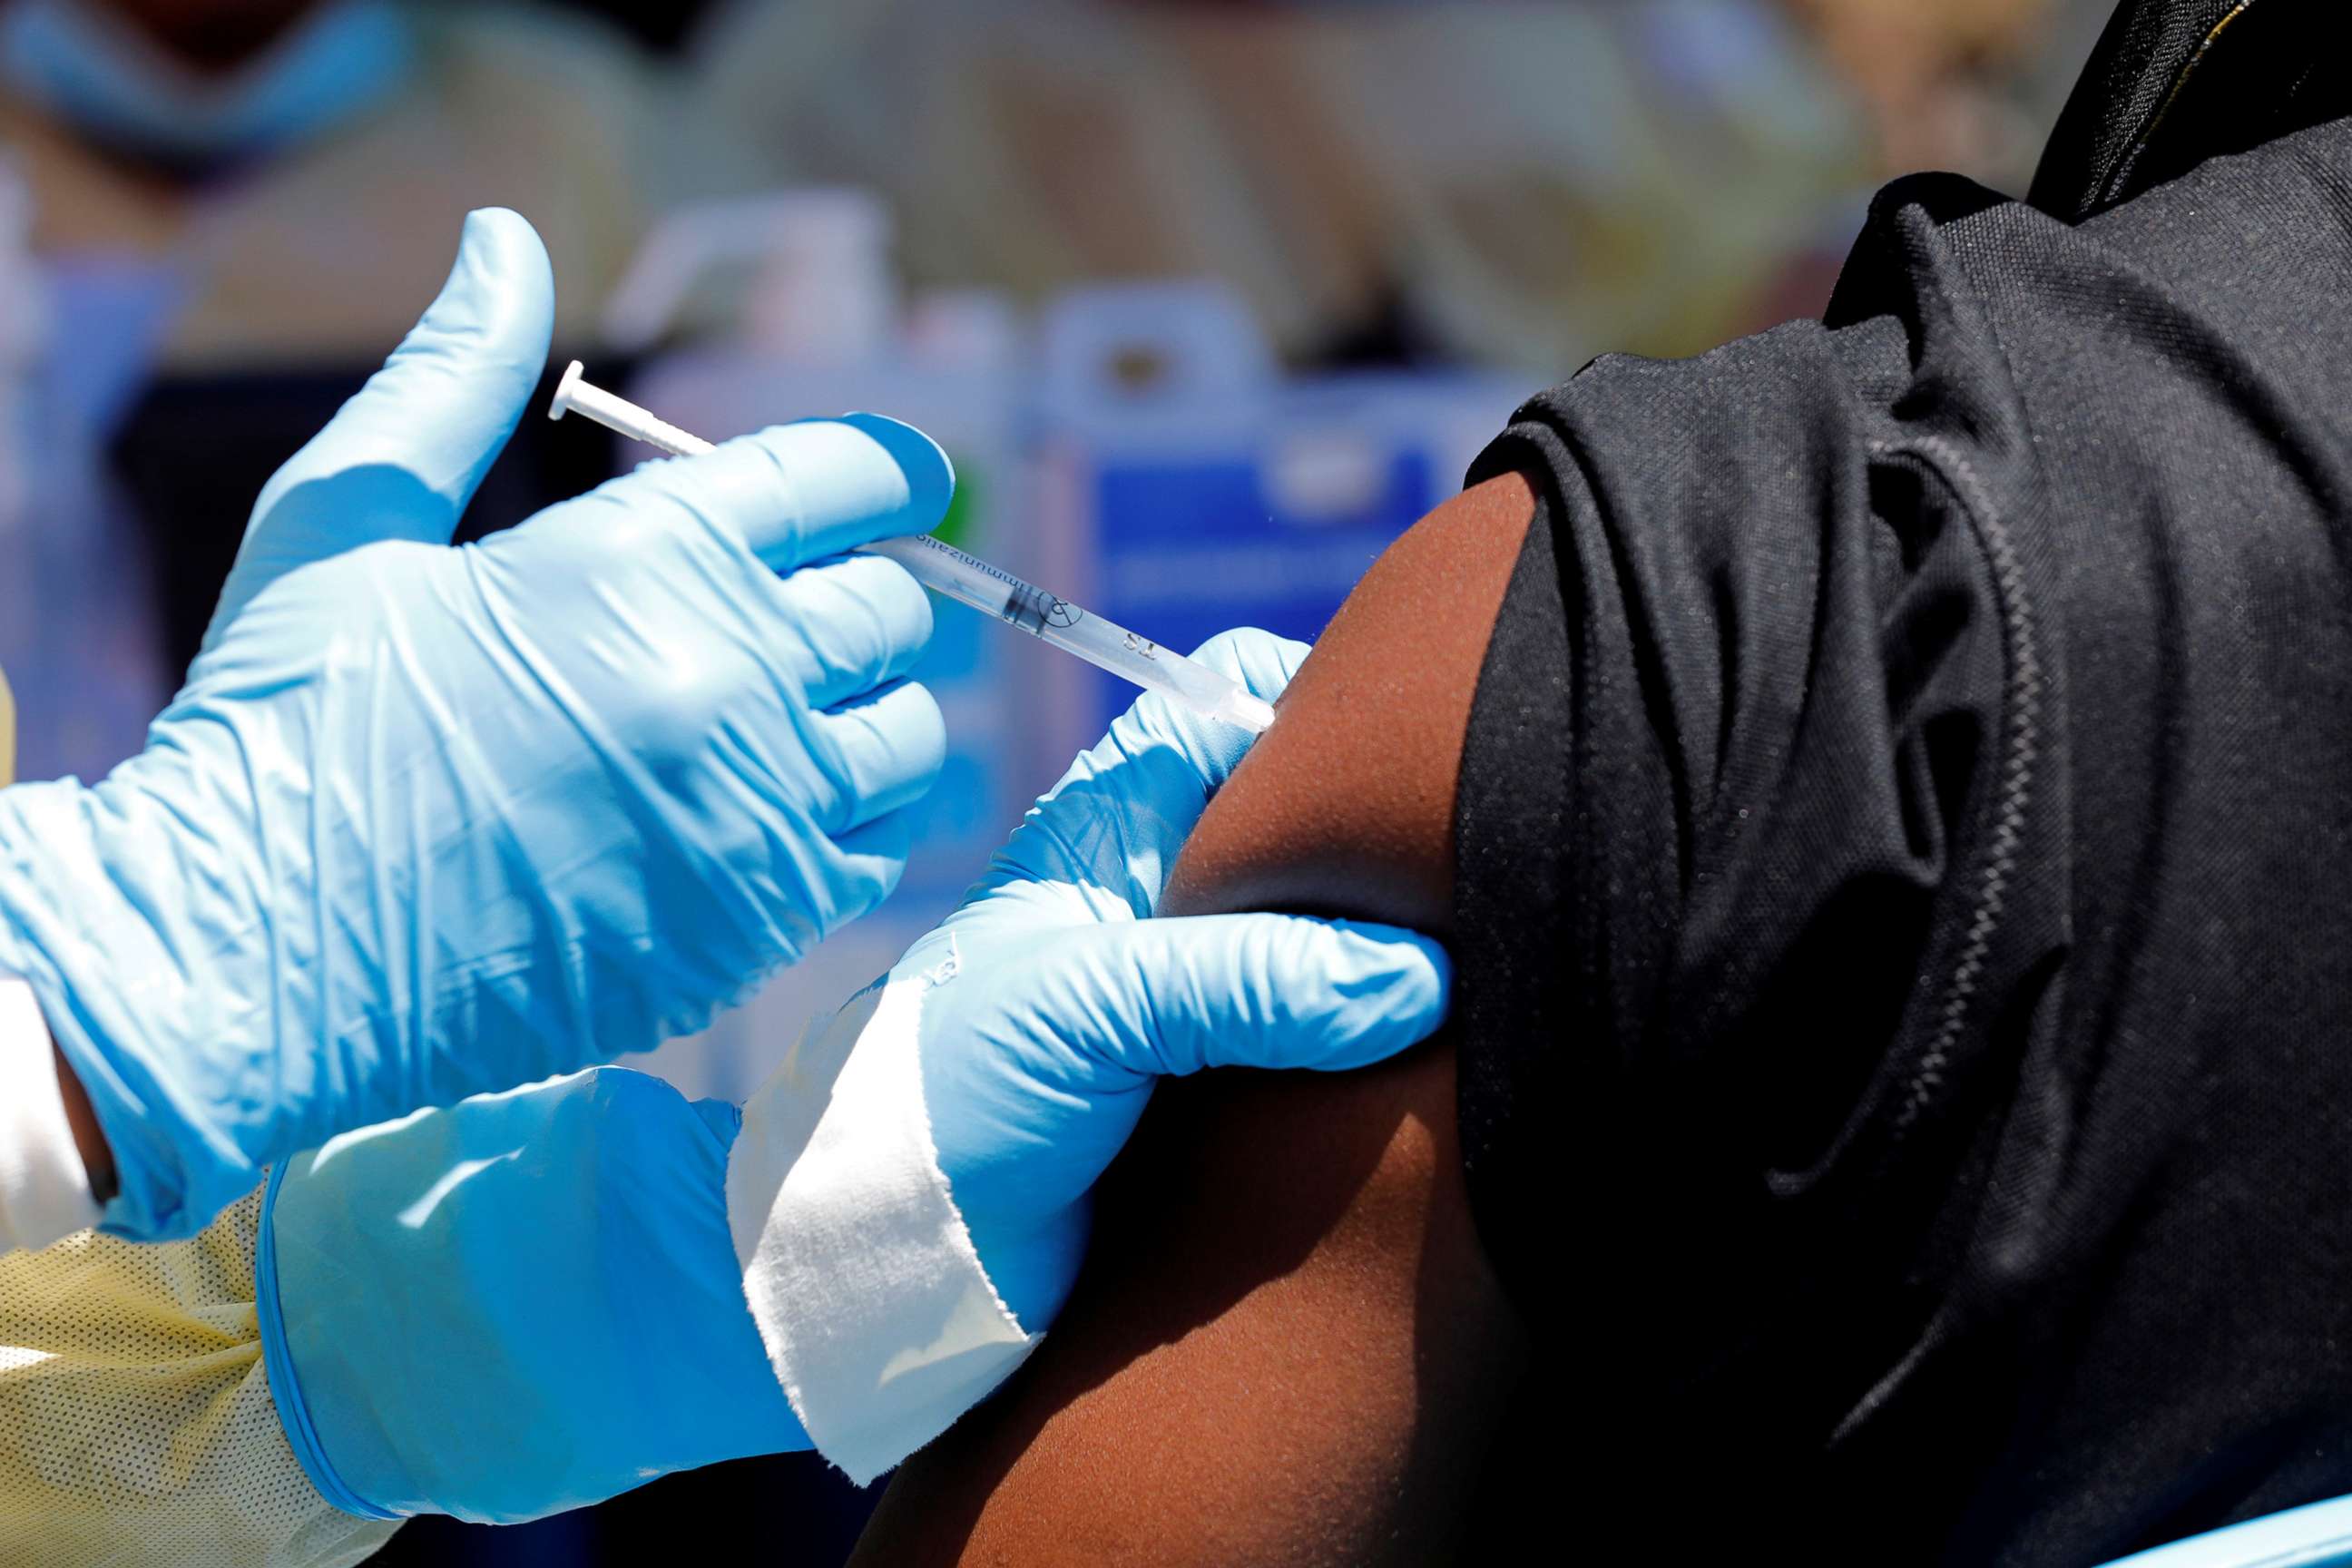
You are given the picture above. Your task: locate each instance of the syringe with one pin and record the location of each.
(944, 569)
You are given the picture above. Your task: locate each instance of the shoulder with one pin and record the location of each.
(1346, 807)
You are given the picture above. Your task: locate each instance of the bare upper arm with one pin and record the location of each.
(1286, 1347)
(1346, 807)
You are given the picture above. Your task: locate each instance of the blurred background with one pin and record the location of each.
(1208, 299)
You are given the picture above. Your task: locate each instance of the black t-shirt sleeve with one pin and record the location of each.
(1899, 930)
(1741, 814)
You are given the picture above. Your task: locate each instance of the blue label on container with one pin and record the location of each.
(1187, 550)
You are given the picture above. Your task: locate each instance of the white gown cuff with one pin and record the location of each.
(877, 1317)
(44, 1189)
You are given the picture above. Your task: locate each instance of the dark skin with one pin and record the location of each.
(1303, 1358)
(96, 1157)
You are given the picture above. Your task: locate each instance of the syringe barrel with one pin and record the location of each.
(967, 579)
(1053, 619)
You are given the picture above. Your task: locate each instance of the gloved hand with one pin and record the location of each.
(532, 1301)
(429, 821)
(1065, 1003)
(902, 1253)
(523, 1304)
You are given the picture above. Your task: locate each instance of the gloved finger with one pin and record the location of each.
(1114, 823)
(1172, 996)
(1158, 731)
(403, 456)
(796, 493)
(888, 750)
(1263, 663)
(861, 621)
(873, 858)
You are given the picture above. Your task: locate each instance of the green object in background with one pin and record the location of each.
(955, 528)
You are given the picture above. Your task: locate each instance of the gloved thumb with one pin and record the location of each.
(1260, 991)
(403, 456)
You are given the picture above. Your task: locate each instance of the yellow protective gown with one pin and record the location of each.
(135, 1421)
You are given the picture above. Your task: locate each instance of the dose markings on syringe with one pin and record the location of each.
(1028, 606)
(942, 547)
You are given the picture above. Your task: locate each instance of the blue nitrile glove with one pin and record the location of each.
(532, 1301)
(1069, 1003)
(426, 821)
(519, 1305)
(901, 1260)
